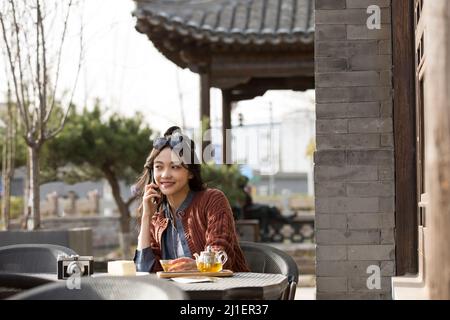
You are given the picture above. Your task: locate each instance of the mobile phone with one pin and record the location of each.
(152, 180)
(150, 177)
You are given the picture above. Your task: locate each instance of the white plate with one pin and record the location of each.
(194, 279)
(105, 274)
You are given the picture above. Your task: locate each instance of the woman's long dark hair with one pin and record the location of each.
(192, 164)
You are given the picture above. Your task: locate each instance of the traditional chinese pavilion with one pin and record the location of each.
(242, 47)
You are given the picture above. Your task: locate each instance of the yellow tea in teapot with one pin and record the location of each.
(210, 261)
(209, 267)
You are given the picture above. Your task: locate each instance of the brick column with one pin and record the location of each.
(354, 161)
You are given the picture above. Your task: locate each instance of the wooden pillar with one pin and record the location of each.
(205, 108)
(405, 138)
(226, 124)
(437, 139)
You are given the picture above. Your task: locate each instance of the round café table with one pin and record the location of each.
(240, 286)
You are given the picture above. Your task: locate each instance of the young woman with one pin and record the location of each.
(179, 215)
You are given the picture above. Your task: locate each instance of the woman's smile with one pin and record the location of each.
(167, 184)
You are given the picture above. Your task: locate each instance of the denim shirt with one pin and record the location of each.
(173, 244)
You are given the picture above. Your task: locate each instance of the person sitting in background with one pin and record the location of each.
(265, 214)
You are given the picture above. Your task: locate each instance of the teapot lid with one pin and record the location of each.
(208, 252)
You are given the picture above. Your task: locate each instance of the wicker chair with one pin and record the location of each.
(13, 283)
(106, 288)
(31, 258)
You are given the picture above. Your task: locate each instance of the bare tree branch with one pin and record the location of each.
(4, 54)
(66, 114)
(36, 124)
(33, 85)
(63, 36)
(19, 55)
(43, 103)
(19, 102)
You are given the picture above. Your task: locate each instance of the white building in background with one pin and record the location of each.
(297, 134)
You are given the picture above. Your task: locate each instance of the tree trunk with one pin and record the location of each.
(9, 154)
(6, 182)
(437, 126)
(6, 185)
(124, 235)
(26, 195)
(34, 219)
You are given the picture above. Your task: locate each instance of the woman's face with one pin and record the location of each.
(170, 175)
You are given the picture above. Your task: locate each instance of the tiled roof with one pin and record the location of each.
(233, 21)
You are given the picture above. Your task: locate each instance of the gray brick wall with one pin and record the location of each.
(354, 161)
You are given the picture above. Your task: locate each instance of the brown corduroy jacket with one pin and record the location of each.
(207, 221)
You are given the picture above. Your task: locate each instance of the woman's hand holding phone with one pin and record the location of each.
(151, 198)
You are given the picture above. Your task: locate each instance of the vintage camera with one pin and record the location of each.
(74, 264)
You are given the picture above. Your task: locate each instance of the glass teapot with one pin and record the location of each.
(210, 261)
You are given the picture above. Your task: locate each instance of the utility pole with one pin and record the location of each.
(180, 97)
(271, 156)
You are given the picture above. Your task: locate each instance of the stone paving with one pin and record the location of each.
(306, 289)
